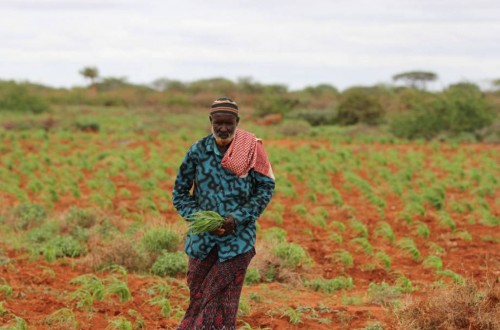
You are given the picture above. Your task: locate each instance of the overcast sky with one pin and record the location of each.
(296, 43)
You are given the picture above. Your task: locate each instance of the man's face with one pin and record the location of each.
(223, 127)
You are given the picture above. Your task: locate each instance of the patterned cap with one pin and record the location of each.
(224, 104)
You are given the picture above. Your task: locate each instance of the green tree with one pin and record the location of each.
(91, 73)
(416, 79)
(359, 105)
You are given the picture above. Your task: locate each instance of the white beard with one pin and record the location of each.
(222, 142)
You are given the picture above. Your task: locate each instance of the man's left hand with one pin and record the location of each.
(229, 225)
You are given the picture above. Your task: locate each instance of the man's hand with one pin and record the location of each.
(228, 227)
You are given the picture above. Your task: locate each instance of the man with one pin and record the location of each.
(232, 176)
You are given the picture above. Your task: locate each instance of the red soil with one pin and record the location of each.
(40, 288)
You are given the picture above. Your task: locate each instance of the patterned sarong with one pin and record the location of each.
(246, 152)
(215, 289)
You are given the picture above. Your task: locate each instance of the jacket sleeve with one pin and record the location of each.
(261, 196)
(183, 200)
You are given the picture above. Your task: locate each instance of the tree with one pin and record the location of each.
(91, 73)
(416, 79)
(359, 105)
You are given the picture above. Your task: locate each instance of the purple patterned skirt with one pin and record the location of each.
(215, 289)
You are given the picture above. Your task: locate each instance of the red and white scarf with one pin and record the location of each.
(247, 152)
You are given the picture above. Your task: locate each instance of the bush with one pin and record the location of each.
(60, 246)
(170, 263)
(16, 97)
(28, 215)
(84, 218)
(123, 252)
(252, 276)
(359, 105)
(463, 306)
(273, 102)
(157, 240)
(460, 109)
(291, 254)
(317, 117)
(44, 233)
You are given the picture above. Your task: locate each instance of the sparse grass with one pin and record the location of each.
(383, 294)
(63, 317)
(464, 306)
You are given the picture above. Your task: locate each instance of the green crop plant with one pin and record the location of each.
(457, 279)
(156, 240)
(170, 264)
(337, 225)
(364, 243)
(255, 297)
(300, 209)
(422, 230)
(139, 322)
(359, 228)
(383, 294)
(19, 324)
(291, 254)
(113, 285)
(274, 234)
(488, 219)
(5, 289)
(317, 220)
(445, 220)
(411, 209)
(28, 215)
(62, 246)
(384, 258)
(351, 300)
(344, 257)
(463, 234)
(436, 196)
(384, 230)
(161, 288)
(404, 284)
(84, 218)
(3, 310)
(163, 303)
(121, 323)
(244, 308)
(335, 237)
(62, 318)
(93, 288)
(436, 248)
(407, 244)
(294, 316)
(433, 261)
(252, 276)
(331, 285)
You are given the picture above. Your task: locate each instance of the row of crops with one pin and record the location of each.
(359, 223)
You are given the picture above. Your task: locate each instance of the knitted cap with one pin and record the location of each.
(224, 104)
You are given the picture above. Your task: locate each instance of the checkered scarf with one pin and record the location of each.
(247, 152)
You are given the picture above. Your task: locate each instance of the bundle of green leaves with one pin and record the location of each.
(204, 222)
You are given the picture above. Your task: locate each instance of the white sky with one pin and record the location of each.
(296, 43)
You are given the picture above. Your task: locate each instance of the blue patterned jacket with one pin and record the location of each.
(218, 189)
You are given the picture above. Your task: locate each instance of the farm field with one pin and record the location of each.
(359, 226)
